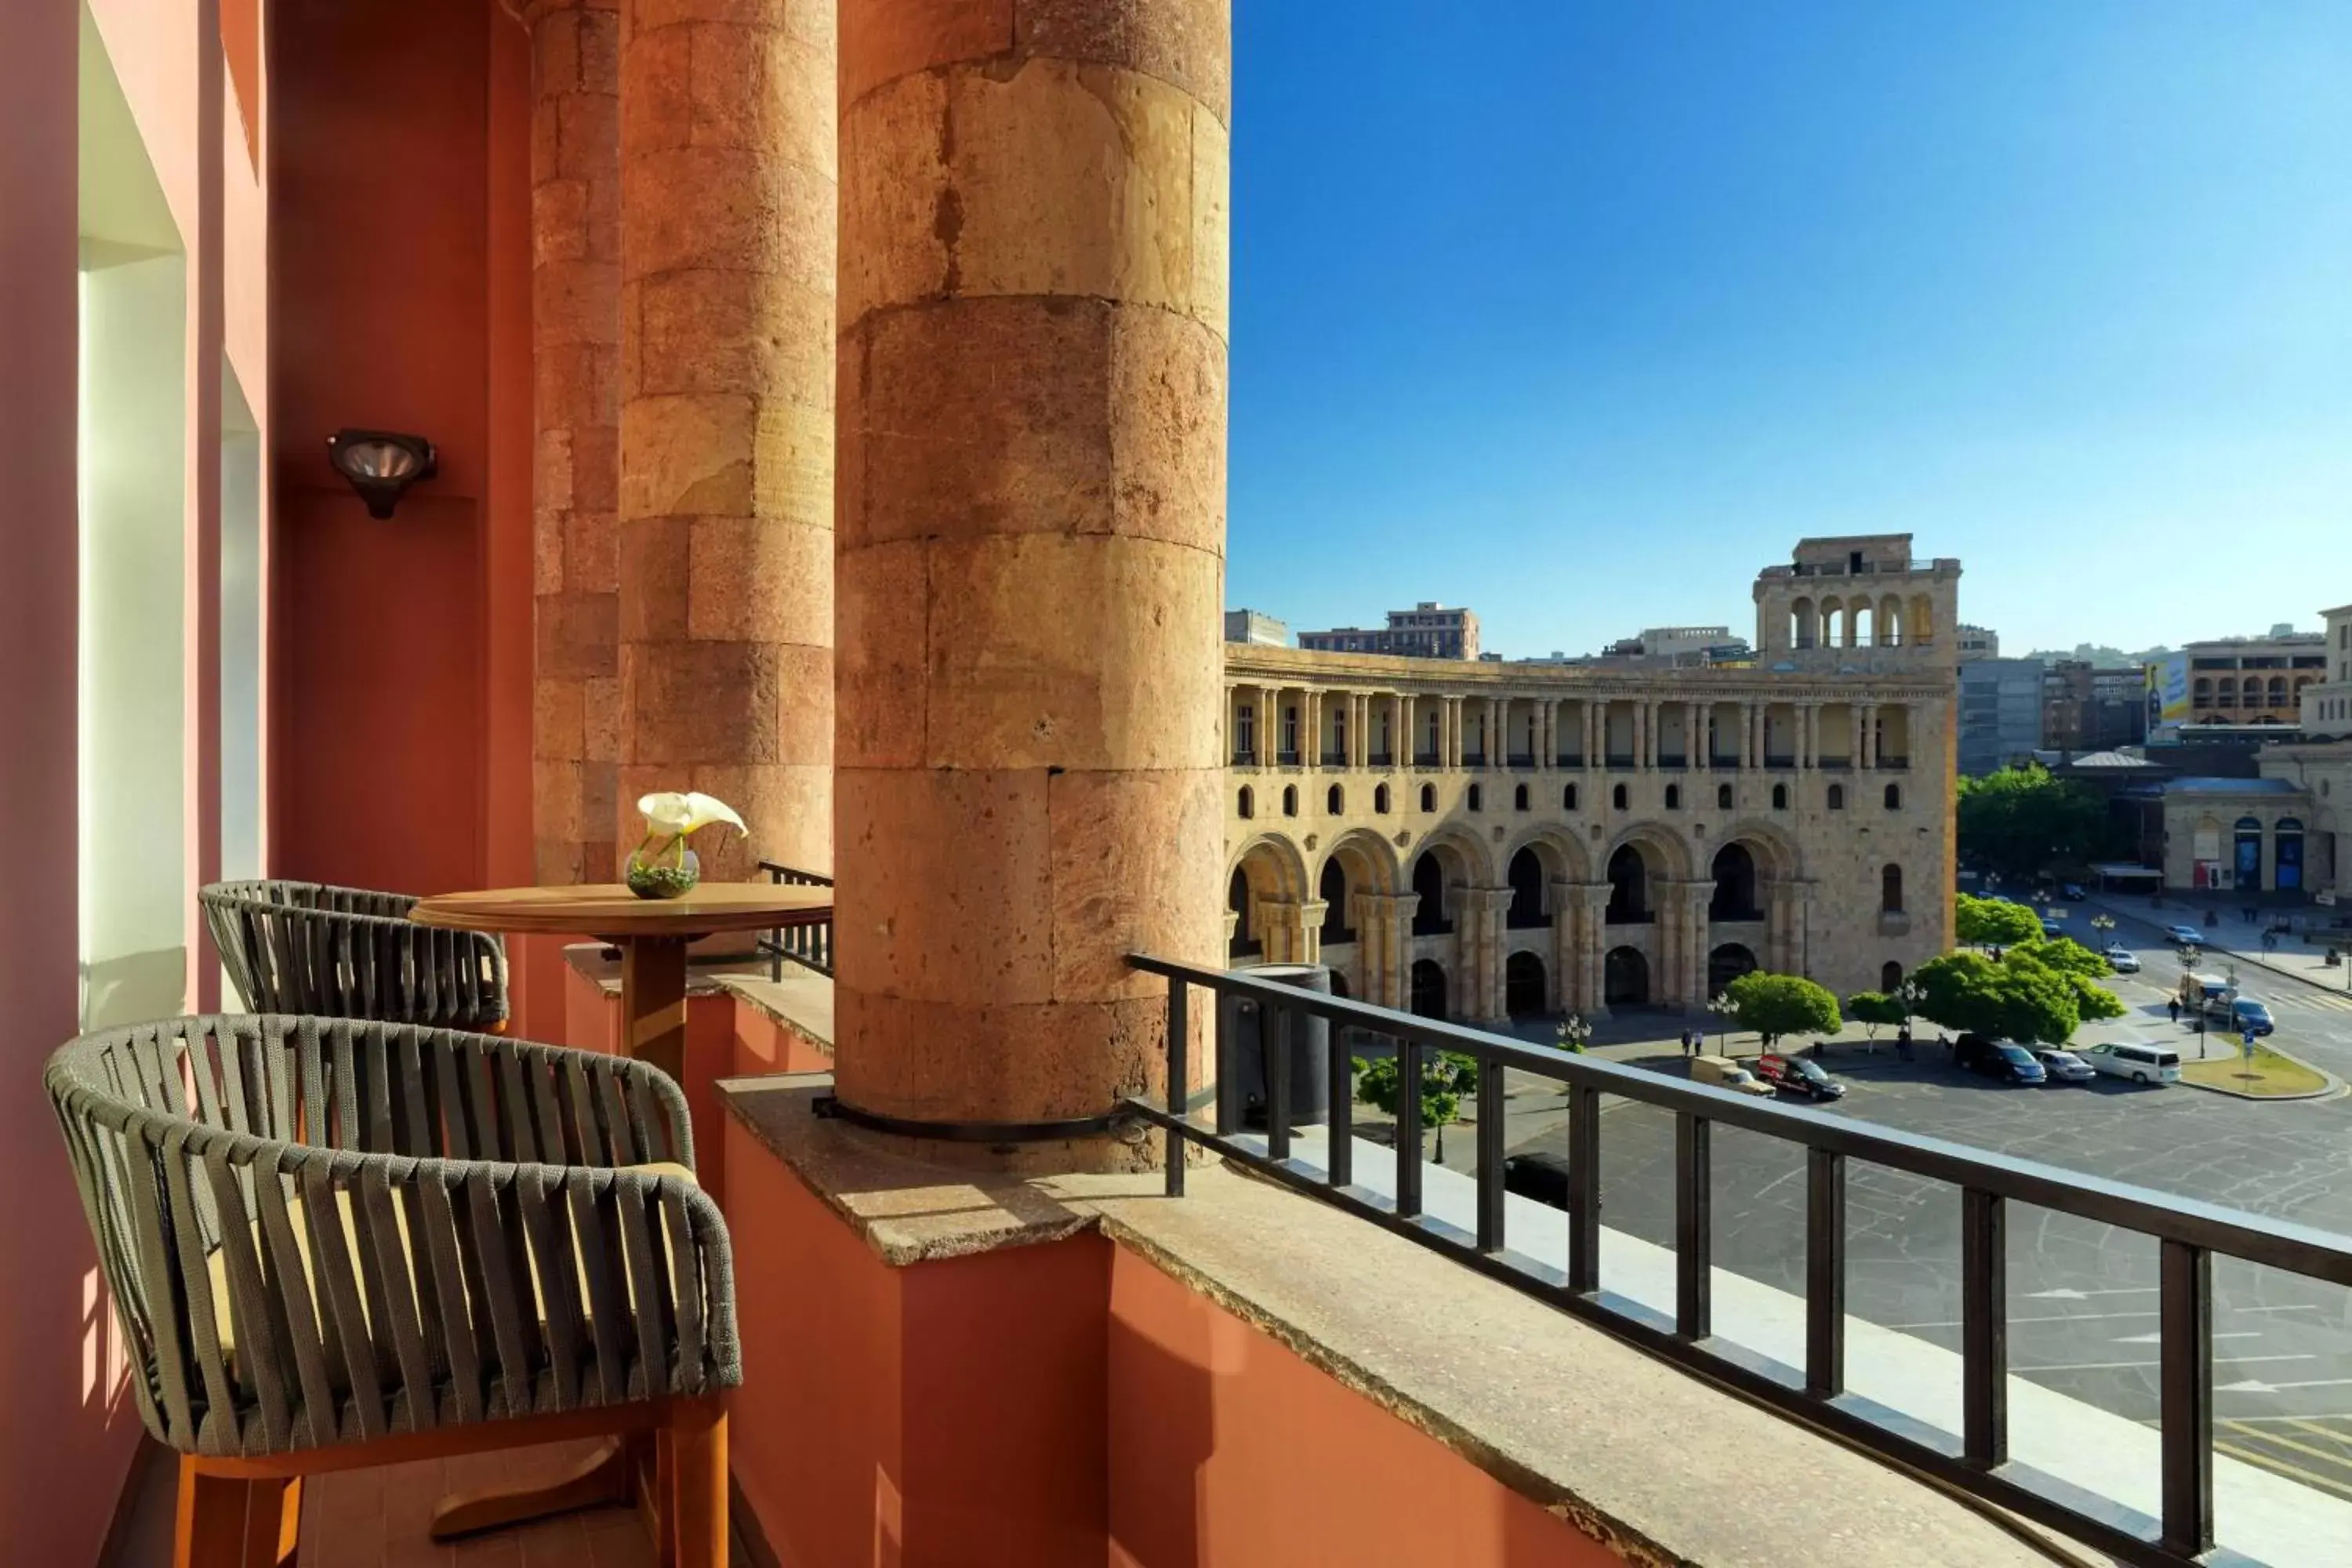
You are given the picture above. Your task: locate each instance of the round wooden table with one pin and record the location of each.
(652, 935)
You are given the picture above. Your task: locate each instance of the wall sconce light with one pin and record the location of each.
(381, 465)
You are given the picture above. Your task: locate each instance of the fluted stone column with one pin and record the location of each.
(1692, 905)
(727, 218)
(1483, 911)
(1031, 515)
(1567, 979)
(1384, 946)
(575, 198)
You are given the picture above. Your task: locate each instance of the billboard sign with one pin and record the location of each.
(2167, 691)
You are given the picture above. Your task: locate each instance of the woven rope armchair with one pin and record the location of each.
(348, 952)
(340, 1242)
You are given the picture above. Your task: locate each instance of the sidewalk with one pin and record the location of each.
(2230, 934)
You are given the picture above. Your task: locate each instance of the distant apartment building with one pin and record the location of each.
(1428, 630)
(1671, 647)
(1978, 642)
(1254, 627)
(2000, 713)
(2086, 708)
(2238, 681)
(2327, 703)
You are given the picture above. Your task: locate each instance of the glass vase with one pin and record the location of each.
(665, 874)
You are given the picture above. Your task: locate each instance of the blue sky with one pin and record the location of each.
(1579, 311)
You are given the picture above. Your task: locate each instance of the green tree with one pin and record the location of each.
(1873, 1008)
(2024, 822)
(1777, 1005)
(2038, 992)
(1446, 1079)
(1994, 922)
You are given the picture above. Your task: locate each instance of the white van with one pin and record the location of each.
(2135, 1060)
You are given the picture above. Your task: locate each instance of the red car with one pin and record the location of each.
(1795, 1074)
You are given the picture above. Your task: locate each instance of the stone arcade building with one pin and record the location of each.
(1496, 840)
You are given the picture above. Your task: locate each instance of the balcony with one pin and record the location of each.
(1332, 759)
(1834, 765)
(1675, 760)
(1895, 765)
(1569, 760)
(1424, 759)
(1620, 762)
(1380, 759)
(1524, 761)
(1474, 759)
(1286, 759)
(1780, 763)
(1245, 757)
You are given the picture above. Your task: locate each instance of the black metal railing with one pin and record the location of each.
(1521, 760)
(1286, 759)
(1380, 759)
(1245, 757)
(1835, 764)
(1424, 759)
(1620, 763)
(1569, 760)
(2188, 1234)
(1894, 764)
(1332, 759)
(1672, 760)
(1474, 759)
(1773, 762)
(810, 946)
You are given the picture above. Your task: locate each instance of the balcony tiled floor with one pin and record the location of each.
(378, 1519)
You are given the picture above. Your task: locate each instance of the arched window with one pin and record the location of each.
(1837, 797)
(1779, 798)
(1335, 800)
(1568, 797)
(1290, 800)
(1478, 798)
(2278, 690)
(1890, 978)
(2229, 691)
(1519, 798)
(1673, 797)
(1723, 797)
(1246, 803)
(1428, 797)
(1380, 800)
(1893, 797)
(1526, 876)
(2204, 689)
(1890, 890)
(1617, 796)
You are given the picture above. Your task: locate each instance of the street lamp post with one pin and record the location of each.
(2193, 998)
(1725, 1009)
(2104, 926)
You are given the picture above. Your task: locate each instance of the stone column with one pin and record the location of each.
(1591, 900)
(726, 494)
(1566, 981)
(1385, 939)
(575, 196)
(1450, 735)
(1484, 909)
(1866, 742)
(1695, 897)
(1032, 424)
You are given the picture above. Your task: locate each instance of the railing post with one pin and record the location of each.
(1824, 1273)
(1490, 1156)
(1583, 1189)
(1179, 1095)
(1408, 1127)
(1984, 1328)
(2185, 1349)
(1275, 1041)
(1229, 1082)
(1339, 1111)
(1693, 1201)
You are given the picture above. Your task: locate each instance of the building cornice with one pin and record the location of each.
(1245, 665)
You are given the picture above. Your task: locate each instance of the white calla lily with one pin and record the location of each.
(702, 810)
(666, 813)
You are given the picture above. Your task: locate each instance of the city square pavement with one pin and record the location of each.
(2083, 1297)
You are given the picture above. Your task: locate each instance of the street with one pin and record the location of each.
(2083, 1309)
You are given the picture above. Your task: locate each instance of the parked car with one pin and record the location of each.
(2135, 1060)
(2184, 936)
(2051, 928)
(2005, 1059)
(2064, 1067)
(2071, 892)
(2249, 1016)
(1798, 1076)
(1725, 1073)
(2122, 960)
(1539, 1175)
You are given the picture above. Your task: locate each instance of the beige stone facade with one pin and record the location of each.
(1499, 839)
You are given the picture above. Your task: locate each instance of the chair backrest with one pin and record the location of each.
(327, 1230)
(349, 953)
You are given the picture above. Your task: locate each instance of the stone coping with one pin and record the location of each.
(1659, 1466)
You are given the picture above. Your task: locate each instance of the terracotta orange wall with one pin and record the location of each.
(394, 144)
(1067, 1403)
(1227, 1448)
(64, 1442)
(949, 1414)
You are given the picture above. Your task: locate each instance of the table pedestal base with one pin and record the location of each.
(605, 1476)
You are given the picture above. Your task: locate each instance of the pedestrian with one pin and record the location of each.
(2173, 1007)
(1688, 1048)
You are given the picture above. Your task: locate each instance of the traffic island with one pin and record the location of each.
(2265, 1073)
